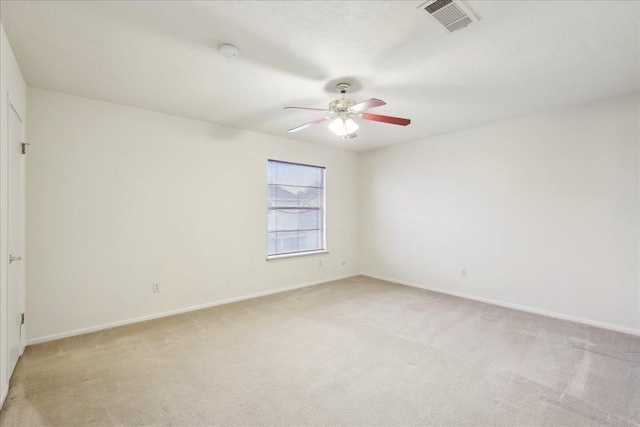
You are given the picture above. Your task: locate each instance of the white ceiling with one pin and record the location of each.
(521, 58)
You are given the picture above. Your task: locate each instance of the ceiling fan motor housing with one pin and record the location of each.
(341, 105)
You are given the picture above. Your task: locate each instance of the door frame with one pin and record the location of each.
(23, 202)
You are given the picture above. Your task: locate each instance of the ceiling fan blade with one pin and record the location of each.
(385, 119)
(369, 103)
(305, 108)
(307, 125)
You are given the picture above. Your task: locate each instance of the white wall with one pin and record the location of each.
(542, 211)
(12, 86)
(119, 198)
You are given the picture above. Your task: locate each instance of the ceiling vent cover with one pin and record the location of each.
(453, 15)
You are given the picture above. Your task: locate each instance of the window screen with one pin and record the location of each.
(295, 208)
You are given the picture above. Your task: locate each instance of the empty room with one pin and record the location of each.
(320, 213)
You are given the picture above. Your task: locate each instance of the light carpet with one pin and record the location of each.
(352, 352)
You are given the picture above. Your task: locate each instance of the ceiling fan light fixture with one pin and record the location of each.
(351, 126)
(342, 127)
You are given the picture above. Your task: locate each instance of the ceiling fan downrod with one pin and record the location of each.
(342, 105)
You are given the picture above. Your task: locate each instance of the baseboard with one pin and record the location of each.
(3, 395)
(96, 328)
(597, 324)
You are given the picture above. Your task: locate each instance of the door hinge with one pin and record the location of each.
(21, 319)
(24, 147)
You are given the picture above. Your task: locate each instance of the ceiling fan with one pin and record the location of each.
(343, 111)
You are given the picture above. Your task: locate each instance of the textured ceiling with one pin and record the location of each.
(521, 58)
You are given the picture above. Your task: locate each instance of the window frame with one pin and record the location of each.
(300, 254)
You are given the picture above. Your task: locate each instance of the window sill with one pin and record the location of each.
(285, 257)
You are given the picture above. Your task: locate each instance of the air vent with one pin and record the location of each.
(453, 15)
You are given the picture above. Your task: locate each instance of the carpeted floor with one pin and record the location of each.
(353, 352)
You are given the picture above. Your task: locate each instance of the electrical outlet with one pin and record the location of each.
(156, 288)
(319, 263)
(343, 262)
(463, 272)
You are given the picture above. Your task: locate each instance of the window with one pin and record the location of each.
(295, 208)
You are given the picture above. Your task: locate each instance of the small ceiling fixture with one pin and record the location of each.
(343, 111)
(228, 50)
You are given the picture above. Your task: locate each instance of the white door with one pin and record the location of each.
(16, 237)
